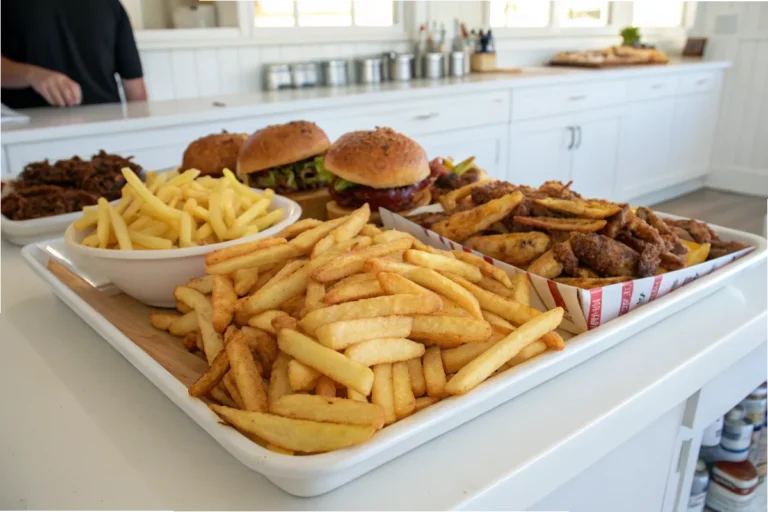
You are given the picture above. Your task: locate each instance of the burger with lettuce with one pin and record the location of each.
(288, 158)
(380, 167)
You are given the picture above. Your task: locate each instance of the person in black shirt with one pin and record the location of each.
(67, 52)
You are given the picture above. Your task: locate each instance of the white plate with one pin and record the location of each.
(317, 474)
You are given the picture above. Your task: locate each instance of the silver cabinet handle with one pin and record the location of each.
(577, 98)
(578, 132)
(573, 137)
(426, 116)
(701, 81)
(657, 86)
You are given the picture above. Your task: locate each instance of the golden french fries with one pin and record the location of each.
(297, 311)
(492, 359)
(514, 248)
(330, 410)
(403, 399)
(562, 223)
(463, 225)
(340, 335)
(292, 434)
(588, 283)
(383, 392)
(384, 350)
(580, 207)
(177, 212)
(546, 265)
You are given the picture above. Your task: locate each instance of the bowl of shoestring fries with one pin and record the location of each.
(158, 234)
(319, 337)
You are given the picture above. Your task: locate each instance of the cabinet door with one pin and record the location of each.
(693, 130)
(644, 148)
(595, 156)
(539, 151)
(487, 144)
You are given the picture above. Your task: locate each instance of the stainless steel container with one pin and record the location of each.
(335, 72)
(458, 60)
(433, 65)
(402, 67)
(304, 74)
(369, 70)
(387, 61)
(277, 76)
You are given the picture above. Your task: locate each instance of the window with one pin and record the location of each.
(324, 13)
(584, 14)
(657, 14)
(519, 14)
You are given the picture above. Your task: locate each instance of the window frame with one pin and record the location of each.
(619, 16)
(297, 34)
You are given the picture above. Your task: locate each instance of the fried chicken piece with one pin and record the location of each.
(558, 190)
(563, 253)
(668, 260)
(699, 231)
(616, 222)
(671, 239)
(720, 248)
(650, 259)
(491, 191)
(604, 255)
(682, 234)
(643, 230)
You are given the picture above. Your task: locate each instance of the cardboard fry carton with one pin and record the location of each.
(584, 309)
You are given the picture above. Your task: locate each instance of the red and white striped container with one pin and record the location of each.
(584, 309)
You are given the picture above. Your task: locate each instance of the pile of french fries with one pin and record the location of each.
(317, 338)
(175, 210)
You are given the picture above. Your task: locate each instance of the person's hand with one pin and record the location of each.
(57, 89)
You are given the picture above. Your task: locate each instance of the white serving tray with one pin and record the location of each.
(317, 474)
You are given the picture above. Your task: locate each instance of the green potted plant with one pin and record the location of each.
(630, 36)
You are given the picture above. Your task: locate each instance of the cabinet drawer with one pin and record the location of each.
(697, 82)
(650, 88)
(425, 116)
(530, 103)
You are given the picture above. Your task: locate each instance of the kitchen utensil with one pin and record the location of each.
(387, 61)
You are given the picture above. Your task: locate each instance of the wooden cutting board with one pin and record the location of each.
(132, 319)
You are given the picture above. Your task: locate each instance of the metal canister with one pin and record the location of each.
(710, 441)
(335, 72)
(277, 76)
(369, 70)
(433, 65)
(737, 436)
(458, 60)
(304, 74)
(387, 62)
(402, 67)
(699, 488)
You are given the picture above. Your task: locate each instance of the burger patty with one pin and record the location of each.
(395, 199)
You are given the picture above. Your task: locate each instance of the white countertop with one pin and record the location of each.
(52, 123)
(83, 429)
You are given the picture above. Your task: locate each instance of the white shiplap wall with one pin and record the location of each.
(206, 71)
(738, 32)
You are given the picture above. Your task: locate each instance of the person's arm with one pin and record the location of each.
(127, 60)
(135, 89)
(57, 89)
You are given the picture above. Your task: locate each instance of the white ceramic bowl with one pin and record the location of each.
(150, 276)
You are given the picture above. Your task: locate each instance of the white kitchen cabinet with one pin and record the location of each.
(488, 145)
(644, 147)
(540, 150)
(693, 131)
(582, 147)
(595, 153)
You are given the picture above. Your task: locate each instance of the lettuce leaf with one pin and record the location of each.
(341, 185)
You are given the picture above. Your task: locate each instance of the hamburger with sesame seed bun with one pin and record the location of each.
(380, 167)
(288, 158)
